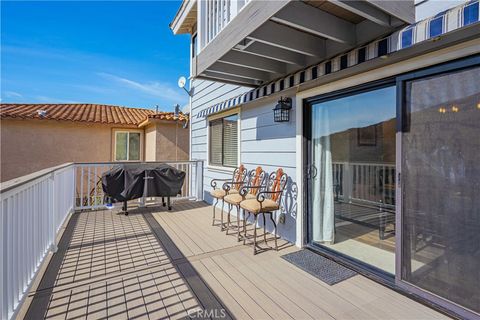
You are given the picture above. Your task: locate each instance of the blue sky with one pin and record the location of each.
(114, 52)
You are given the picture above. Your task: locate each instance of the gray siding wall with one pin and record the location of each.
(262, 142)
(272, 145)
(205, 94)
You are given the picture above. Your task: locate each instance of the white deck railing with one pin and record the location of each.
(88, 188)
(365, 182)
(34, 208)
(214, 16)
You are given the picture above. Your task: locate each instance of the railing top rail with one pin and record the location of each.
(134, 162)
(377, 164)
(17, 182)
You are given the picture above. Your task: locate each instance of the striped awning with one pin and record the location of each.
(430, 28)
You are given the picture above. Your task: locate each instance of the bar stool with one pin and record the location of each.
(267, 201)
(237, 180)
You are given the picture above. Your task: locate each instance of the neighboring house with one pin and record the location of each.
(38, 136)
(382, 142)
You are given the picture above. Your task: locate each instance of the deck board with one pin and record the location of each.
(160, 264)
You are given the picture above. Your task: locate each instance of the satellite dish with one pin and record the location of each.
(181, 82)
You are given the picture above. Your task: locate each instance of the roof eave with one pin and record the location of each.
(180, 23)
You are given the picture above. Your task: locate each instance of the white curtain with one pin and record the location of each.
(323, 217)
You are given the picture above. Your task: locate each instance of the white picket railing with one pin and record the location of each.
(88, 188)
(33, 209)
(214, 15)
(365, 182)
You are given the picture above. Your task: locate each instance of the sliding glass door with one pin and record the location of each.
(352, 175)
(440, 170)
(393, 181)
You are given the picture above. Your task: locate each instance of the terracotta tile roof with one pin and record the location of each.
(94, 113)
(169, 116)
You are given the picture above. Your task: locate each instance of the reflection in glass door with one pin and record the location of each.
(441, 186)
(352, 185)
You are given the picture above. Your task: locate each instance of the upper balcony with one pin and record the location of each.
(254, 42)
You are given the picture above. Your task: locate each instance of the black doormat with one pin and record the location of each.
(320, 267)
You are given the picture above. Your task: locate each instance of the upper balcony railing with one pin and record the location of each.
(214, 16)
(252, 43)
(34, 210)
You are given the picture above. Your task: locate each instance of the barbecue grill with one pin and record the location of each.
(131, 181)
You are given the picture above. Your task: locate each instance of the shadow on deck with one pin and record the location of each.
(155, 264)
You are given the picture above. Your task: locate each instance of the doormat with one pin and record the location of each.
(318, 266)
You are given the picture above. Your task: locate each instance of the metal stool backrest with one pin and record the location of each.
(277, 181)
(239, 177)
(256, 178)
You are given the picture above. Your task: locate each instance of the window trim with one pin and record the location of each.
(114, 144)
(224, 114)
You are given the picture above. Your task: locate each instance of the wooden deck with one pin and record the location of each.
(155, 264)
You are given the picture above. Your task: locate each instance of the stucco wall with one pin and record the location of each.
(165, 141)
(31, 145)
(150, 145)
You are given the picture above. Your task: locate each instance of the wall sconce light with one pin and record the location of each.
(281, 112)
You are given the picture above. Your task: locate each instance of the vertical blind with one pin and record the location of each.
(216, 139)
(224, 141)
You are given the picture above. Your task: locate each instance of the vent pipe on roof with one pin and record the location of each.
(42, 113)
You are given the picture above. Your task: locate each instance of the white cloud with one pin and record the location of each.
(12, 94)
(155, 89)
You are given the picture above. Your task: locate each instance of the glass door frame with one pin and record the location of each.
(401, 82)
(361, 267)
(394, 282)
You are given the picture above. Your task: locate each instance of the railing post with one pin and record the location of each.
(3, 260)
(202, 24)
(347, 182)
(199, 180)
(53, 207)
(74, 179)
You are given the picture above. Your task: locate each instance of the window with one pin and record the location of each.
(127, 146)
(224, 141)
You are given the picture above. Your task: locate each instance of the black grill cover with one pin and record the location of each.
(127, 181)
